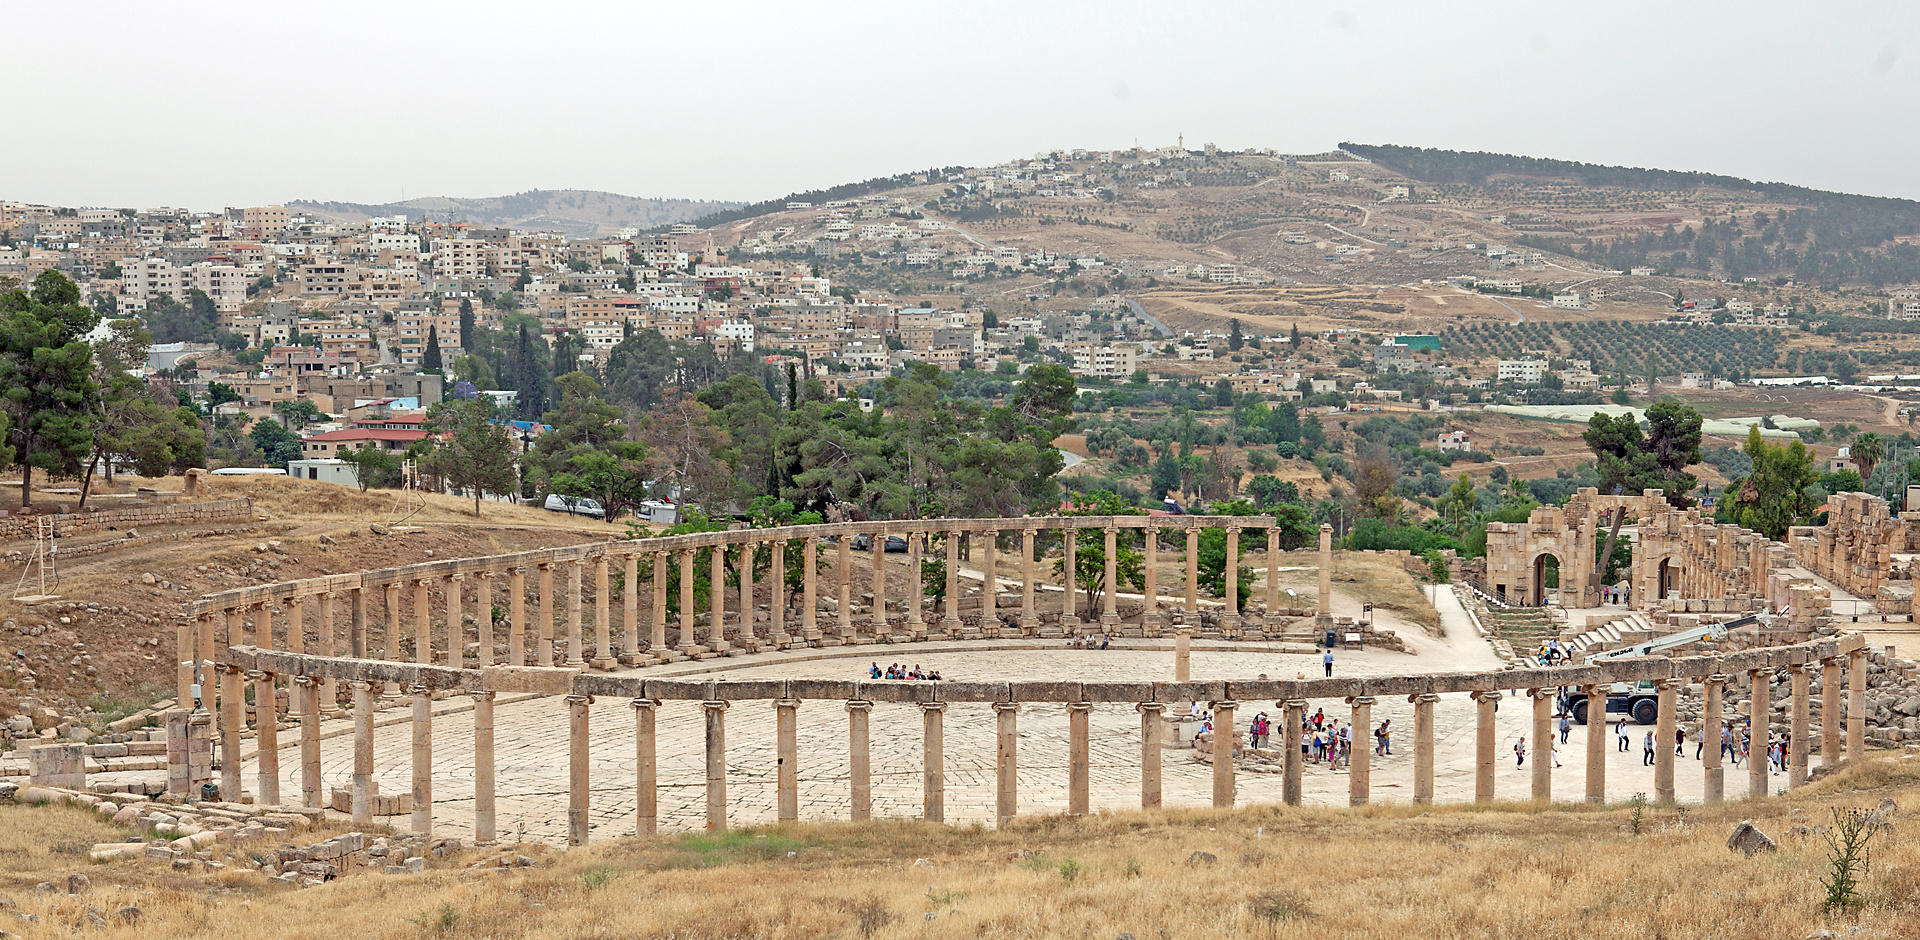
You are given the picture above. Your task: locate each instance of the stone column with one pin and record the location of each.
(787, 752)
(630, 606)
(184, 657)
(602, 614)
(394, 628)
(657, 636)
(748, 548)
(1069, 619)
(687, 646)
(646, 769)
(1193, 577)
(1856, 703)
(1150, 719)
(1799, 727)
(1291, 765)
(578, 791)
(1542, 744)
(1663, 785)
(1423, 746)
(1233, 574)
(1109, 612)
(878, 618)
(233, 720)
(576, 639)
(296, 627)
(1150, 591)
(423, 621)
(1223, 754)
(1360, 772)
(1759, 722)
(1324, 617)
(307, 689)
(266, 739)
(1006, 753)
(777, 596)
(329, 691)
(933, 775)
(1596, 744)
(1079, 765)
(362, 751)
(1273, 577)
(809, 591)
(716, 713)
(263, 625)
(1712, 724)
(915, 626)
(1830, 719)
(543, 636)
(1029, 617)
(845, 573)
(456, 628)
(422, 761)
(357, 645)
(989, 585)
(1183, 654)
(483, 619)
(950, 624)
(1486, 702)
(859, 761)
(516, 616)
(483, 832)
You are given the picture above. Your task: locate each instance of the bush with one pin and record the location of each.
(1374, 535)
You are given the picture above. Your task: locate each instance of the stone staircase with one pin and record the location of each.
(1615, 633)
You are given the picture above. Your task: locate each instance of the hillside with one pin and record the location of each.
(581, 213)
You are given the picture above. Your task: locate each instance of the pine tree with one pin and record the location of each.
(466, 324)
(1234, 339)
(46, 376)
(1294, 339)
(430, 359)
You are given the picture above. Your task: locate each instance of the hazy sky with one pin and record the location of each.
(207, 105)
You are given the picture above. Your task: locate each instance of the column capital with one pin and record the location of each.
(859, 705)
(1298, 703)
(1485, 695)
(1226, 704)
(1361, 701)
(1545, 695)
(1672, 682)
(428, 581)
(485, 575)
(1111, 528)
(1233, 528)
(359, 685)
(1150, 707)
(715, 706)
(255, 675)
(1079, 706)
(786, 703)
(579, 700)
(304, 681)
(1006, 706)
(1424, 698)
(935, 707)
(456, 576)
(1718, 679)
(419, 690)
(1797, 667)
(644, 704)
(1759, 671)
(481, 695)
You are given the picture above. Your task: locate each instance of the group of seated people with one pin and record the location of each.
(1087, 642)
(897, 671)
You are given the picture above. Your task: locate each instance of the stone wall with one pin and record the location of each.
(18, 527)
(1864, 548)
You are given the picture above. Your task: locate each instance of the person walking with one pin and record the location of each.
(1621, 730)
(1326, 659)
(1646, 757)
(1566, 728)
(1520, 752)
(1384, 734)
(1679, 742)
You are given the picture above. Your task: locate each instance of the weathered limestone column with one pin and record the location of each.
(266, 739)
(1273, 576)
(392, 592)
(1759, 722)
(859, 760)
(748, 548)
(878, 618)
(483, 779)
(787, 753)
(456, 628)
(184, 656)
(777, 596)
(657, 635)
(1029, 617)
(329, 691)
(1150, 591)
(1542, 744)
(1193, 576)
(915, 626)
(308, 689)
(809, 592)
(483, 619)
(357, 645)
(646, 768)
(423, 621)
(517, 616)
(1183, 654)
(716, 713)
(1325, 615)
(263, 625)
(362, 751)
(602, 615)
(1830, 720)
(233, 720)
(1360, 771)
(1079, 764)
(1856, 703)
(1233, 573)
(686, 602)
(1799, 727)
(950, 624)
(1006, 762)
(1486, 702)
(1596, 744)
(1712, 724)
(578, 791)
(1290, 763)
(296, 627)
(844, 570)
(1069, 619)
(543, 637)
(1150, 718)
(422, 761)
(576, 639)
(989, 583)
(1223, 782)
(630, 606)
(1663, 785)
(1109, 612)
(1423, 746)
(933, 774)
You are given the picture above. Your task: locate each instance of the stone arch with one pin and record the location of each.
(1667, 577)
(1538, 590)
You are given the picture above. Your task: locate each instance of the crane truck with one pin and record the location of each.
(1641, 699)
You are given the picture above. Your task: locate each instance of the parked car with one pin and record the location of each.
(895, 543)
(575, 506)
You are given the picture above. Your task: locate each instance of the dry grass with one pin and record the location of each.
(1513, 870)
(297, 500)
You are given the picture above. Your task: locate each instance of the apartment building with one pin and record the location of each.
(461, 257)
(265, 219)
(324, 279)
(1522, 371)
(143, 279)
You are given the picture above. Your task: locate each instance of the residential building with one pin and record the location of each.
(1522, 371)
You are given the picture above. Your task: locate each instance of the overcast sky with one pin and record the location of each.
(206, 105)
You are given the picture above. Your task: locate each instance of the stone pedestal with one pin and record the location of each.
(1712, 727)
(646, 768)
(483, 830)
(859, 761)
(1663, 783)
(1151, 716)
(787, 754)
(1006, 753)
(716, 721)
(58, 765)
(1485, 734)
(1223, 782)
(1423, 746)
(933, 776)
(1359, 772)
(1079, 761)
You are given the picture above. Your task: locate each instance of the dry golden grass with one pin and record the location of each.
(1385, 872)
(302, 501)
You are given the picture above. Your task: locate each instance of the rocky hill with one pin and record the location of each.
(584, 213)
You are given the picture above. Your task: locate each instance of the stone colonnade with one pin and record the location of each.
(580, 689)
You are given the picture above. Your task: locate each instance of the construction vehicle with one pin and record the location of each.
(1642, 699)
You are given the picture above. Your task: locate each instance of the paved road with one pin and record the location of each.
(1142, 313)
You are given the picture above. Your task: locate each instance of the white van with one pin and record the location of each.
(575, 505)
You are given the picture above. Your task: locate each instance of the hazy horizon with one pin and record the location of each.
(204, 105)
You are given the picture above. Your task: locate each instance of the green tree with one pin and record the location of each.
(1774, 496)
(1235, 339)
(471, 448)
(1630, 461)
(1045, 397)
(1090, 548)
(1866, 452)
(1270, 490)
(466, 324)
(1293, 339)
(277, 444)
(430, 357)
(590, 451)
(298, 413)
(46, 377)
(373, 465)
